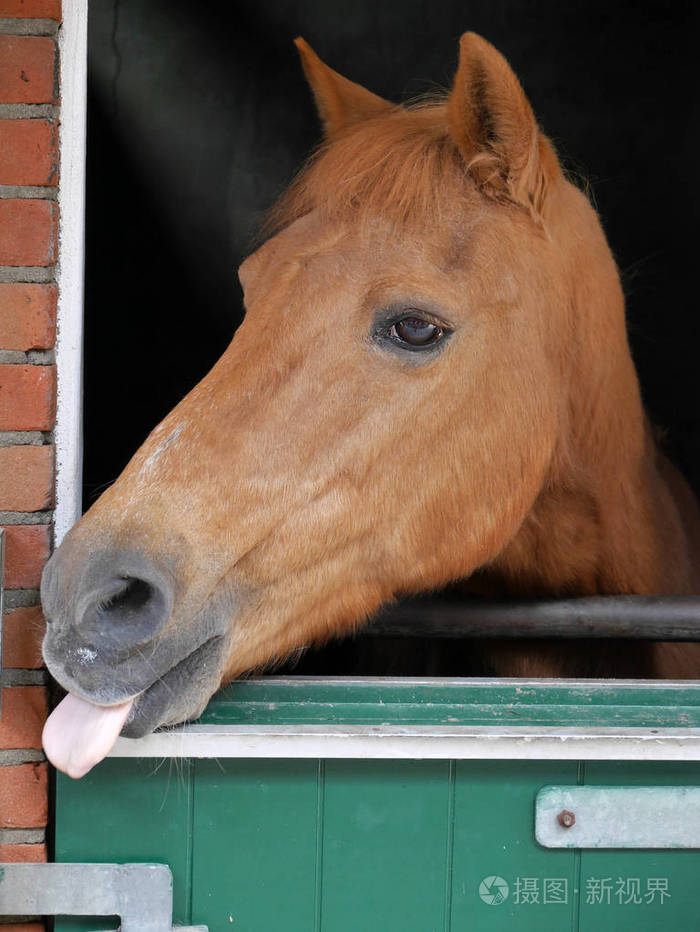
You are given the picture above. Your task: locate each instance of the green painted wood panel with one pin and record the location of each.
(494, 837)
(128, 811)
(255, 839)
(374, 700)
(387, 846)
(391, 846)
(386, 827)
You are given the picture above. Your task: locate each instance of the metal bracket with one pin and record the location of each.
(141, 894)
(653, 817)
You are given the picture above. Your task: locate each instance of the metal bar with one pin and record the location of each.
(651, 817)
(658, 618)
(140, 894)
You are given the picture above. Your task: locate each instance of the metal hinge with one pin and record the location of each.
(140, 894)
(653, 817)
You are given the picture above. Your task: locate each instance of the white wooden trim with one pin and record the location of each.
(427, 742)
(72, 44)
(416, 743)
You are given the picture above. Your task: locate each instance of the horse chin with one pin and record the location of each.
(181, 694)
(177, 695)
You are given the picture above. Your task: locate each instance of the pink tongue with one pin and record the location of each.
(78, 735)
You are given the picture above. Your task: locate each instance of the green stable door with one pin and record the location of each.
(390, 843)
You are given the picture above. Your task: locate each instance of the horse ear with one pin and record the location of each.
(339, 102)
(493, 125)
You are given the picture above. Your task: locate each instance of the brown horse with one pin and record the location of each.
(432, 382)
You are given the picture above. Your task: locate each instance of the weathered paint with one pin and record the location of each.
(399, 845)
(439, 719)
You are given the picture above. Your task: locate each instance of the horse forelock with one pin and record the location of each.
(402, 166)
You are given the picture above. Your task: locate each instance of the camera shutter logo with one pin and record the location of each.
(494, 890)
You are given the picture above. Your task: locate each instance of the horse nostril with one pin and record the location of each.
(128, 609)
(131, 595)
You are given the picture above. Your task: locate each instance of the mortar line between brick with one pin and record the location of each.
(28, 27)
(22, 836)
(20, 598)
(27, 274)
(34, 192)
(29, 111)
(10, 518)
(14, 757)
(11, 677)
(20, 438)
(27, 358)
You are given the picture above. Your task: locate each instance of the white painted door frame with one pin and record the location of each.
(72, 44)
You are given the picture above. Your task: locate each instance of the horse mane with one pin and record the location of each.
(402, 165)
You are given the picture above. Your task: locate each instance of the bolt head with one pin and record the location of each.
(566, 818)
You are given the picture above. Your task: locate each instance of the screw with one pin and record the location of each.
(566, 818)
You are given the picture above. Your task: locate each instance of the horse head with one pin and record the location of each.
(392, 412)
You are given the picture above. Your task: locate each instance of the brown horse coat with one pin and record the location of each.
(432, 383)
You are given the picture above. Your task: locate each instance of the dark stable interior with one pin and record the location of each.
(199, 117)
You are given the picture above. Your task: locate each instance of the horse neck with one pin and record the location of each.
(613, 516)
(593, 531)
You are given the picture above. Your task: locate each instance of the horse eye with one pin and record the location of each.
(416, 331)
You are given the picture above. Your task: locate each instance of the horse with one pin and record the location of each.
(432, 384)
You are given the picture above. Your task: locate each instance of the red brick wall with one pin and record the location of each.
(29, 118)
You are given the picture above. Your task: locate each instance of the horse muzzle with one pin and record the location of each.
(114, 633)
